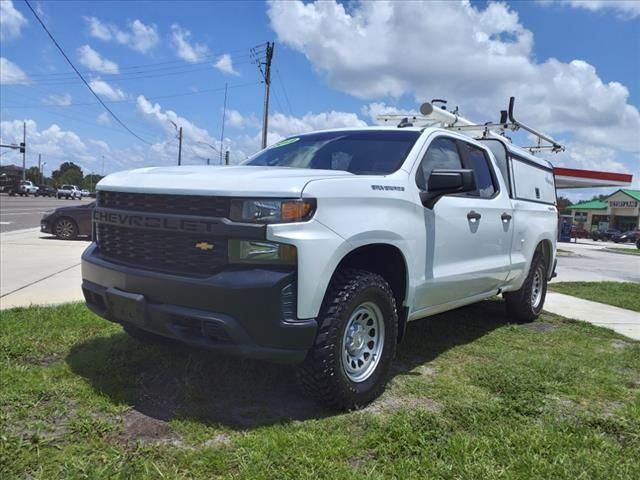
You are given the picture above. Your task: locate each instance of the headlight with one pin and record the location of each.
(261, 252)
(272, 210)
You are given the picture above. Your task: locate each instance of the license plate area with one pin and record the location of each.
(126, 307)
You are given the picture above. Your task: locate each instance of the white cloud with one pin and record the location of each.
(184, 49)
(96, 62)
(53, 143)
(137, 36)
(11, 74)
(624, 8)
(103, 119)
(105, 90)
(97, 29)
(236, 120)
(11, 21)
(475, 57)
(225, 65)
(63, 100)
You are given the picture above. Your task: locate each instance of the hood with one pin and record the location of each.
(247, 181)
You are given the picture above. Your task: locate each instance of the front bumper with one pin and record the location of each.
(45, 225)
(246, 312)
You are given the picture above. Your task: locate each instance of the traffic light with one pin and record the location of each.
(22, 147)
(226, 157)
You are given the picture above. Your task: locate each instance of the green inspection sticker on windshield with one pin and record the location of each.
(288, 141)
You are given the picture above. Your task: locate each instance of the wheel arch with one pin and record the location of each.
(393, 268)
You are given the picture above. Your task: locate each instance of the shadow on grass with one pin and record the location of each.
(167, 382)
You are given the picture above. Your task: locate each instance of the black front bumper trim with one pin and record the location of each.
(237, 312)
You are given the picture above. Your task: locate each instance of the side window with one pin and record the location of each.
(441, 154)
(476, 160)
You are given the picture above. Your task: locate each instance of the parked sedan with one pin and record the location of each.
(68, 223)
(604, 234)
(625, 237)
(46, 191)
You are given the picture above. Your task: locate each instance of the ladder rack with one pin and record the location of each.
(431, 116)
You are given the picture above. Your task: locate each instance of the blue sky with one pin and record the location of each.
(573, 66)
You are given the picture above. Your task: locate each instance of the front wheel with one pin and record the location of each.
(526, 303)
(348, 365)
(65, 229)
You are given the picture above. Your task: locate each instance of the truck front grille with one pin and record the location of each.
(197, 205)
(181, 253)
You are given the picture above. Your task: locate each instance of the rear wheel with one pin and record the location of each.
(526, 303)
(65, 229)
(348, 365)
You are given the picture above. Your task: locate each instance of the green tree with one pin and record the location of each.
(90, 181)
(68, 173)
(563, 206)
(33, 174)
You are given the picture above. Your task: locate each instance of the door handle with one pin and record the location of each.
(505, 217)
(473, 216)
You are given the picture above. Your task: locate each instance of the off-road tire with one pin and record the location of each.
(520, 304)
(70, 230)
(322, 375)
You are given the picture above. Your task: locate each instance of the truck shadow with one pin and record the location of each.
(167, 382)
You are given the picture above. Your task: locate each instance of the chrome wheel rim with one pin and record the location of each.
(64, 228)
(536, 289)
(362, 342)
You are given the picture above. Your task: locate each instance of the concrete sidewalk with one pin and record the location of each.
(625, 322)
(39, 269)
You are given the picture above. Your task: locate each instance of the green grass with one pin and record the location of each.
(629, 251)
(471, 397)
(619, 294)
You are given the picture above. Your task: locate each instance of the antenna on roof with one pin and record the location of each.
(432, 116)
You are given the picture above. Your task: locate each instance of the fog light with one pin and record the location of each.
(261, 252)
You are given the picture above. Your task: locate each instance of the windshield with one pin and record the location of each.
(362, 152)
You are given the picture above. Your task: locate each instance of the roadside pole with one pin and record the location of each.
(267, 84)
(180, 147)
(24, 150)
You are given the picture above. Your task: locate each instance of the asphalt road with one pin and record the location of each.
(589, 261)
(17, 213)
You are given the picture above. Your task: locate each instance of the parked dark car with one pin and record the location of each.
(68, 223)
(604, 234)
(638, 242)
(630, 236)
(46, 191)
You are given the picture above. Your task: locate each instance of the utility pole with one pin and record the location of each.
(24, 150)
(39, 167)
(267, 84)
(180, 147)
(103, 165)
(224, 114)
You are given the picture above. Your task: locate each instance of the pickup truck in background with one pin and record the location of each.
(321, 248)
(69, 192)
(24, 188)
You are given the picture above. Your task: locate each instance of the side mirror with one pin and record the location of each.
(447, 182)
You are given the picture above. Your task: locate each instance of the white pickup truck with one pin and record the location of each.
(319, 249)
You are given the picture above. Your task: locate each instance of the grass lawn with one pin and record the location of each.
(472, 398)
(629, 251)
(619, 294)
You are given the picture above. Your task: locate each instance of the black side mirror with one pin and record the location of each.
(447, 182)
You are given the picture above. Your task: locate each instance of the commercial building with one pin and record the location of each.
(621, 211)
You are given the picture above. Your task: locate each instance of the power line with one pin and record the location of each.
(81, 77)
(155, 97)
(284, 90)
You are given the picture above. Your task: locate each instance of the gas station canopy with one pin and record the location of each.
(576, 178)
